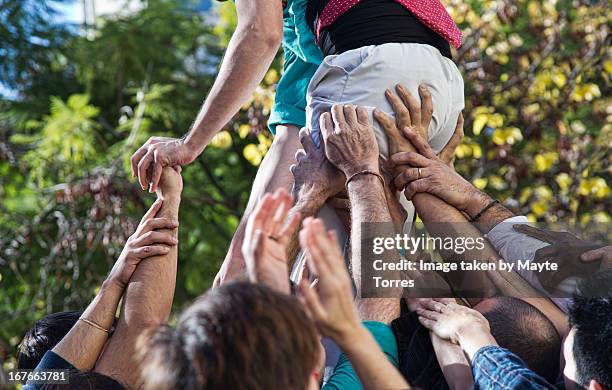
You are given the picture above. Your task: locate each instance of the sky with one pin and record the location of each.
(72, 11)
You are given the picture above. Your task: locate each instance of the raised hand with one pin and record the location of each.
(313, 172)
(266, 241)
(349, 140)
(408, 114)
(159, 152)
(331, 305)
(145, 242)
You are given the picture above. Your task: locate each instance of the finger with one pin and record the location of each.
(337, 114)
(152, 210)
(306, 140)
(331, 254)
(402, 115)
(387, 124)
(148, 251)
(290, 228)
(416, 187)
(312, 302)
(429, 314)
(426, 109)
(540, 234)
(410, 158)
(350, 115)
(414, 106)
(420, 143)
(326, 124)
(157, 223)
(448, 153)
(135, 159)
(433, 305)
(593, 255)
(362, 115)
(314, 252)
(429, 324)
(261, 213)
(178, 169)
(545, 253)
(143, 166)
(300, 155)
(155, 238)
(156, 171)
(407, 176)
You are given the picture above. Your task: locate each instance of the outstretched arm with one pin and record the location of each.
(350, 145)
(148, 296)
(248, 56)
(335, 314)
(84, 342)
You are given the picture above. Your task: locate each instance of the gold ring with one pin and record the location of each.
(419, 170)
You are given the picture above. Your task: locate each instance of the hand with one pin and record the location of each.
(145, 242)
(331, 306)
(313, 172)
(428, 173)
(566, 250)
(408, 113)
(349, 139)
(170, 183)
(266, 241)
(451, 321)
(156, 153)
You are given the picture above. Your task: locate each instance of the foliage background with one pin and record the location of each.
(538, 134)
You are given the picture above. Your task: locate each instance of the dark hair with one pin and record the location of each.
(43, 336)
(79, 380)
(237, 336)
(591, 316)
(525, 331)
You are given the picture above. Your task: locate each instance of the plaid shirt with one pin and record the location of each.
(494, 367)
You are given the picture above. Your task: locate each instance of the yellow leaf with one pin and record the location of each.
(479, 123)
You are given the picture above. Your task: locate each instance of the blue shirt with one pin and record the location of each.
(495, 367)
(49, 361)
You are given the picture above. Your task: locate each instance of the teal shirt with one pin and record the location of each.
(302, 58)
(345, 377)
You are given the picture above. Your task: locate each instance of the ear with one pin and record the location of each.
(594, 385)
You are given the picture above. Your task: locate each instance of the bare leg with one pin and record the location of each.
(273, 173)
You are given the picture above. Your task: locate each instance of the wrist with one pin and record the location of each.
(312, 193)
(367, 178)
(193, 145)
(473, 337)
(352, 336)
(476, 201)
(112, 284)
(351, 169)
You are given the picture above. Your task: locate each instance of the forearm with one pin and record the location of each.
(147, 302)
(370, 218)
(489, 218)
(309, 203)
(454, 365)
(84, 342)
(372, 366)
(247, 58)
(443, 220)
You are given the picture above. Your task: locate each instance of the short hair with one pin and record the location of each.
(43, 336)
(237, 336)
(591, 316)
(86, 380)
(527, 332)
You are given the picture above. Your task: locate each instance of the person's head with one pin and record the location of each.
(587, 349)
(79, 380)
(43, 336)
(525, 331)
(237, 336)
